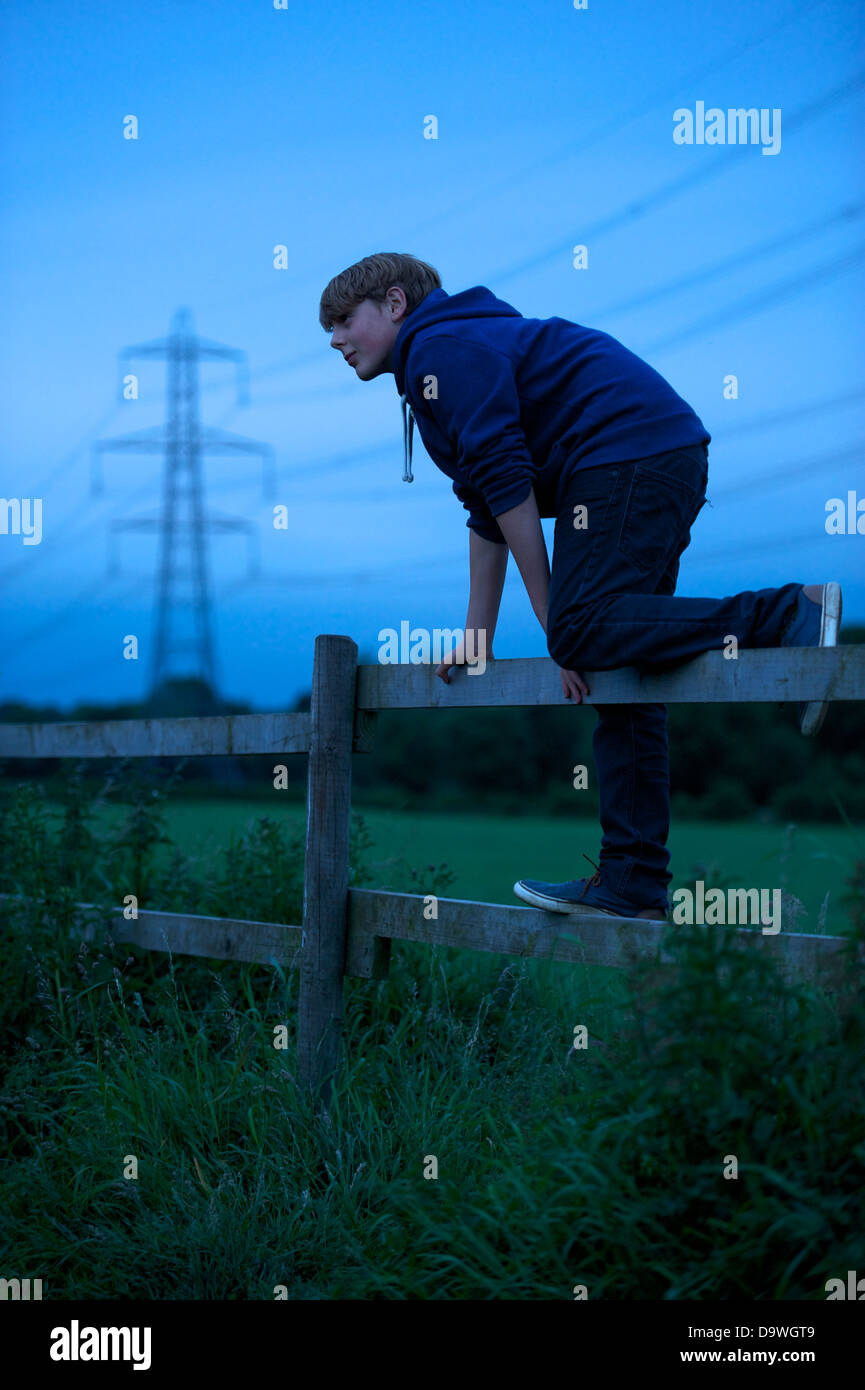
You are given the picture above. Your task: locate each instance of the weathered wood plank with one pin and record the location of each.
(216, 938)
(208, 735)
(771, 674)
(377, 918)
(325, 889)
(590, 939)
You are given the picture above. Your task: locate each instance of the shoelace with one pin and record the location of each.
(595, 881)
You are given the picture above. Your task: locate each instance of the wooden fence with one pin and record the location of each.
(348, 931)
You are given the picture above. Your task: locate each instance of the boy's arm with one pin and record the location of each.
(521, 528)
(488, 563)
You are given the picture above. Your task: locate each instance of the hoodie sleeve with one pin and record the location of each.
(480, 516)
(477, 405)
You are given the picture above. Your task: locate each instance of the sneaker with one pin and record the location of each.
(583, 895)
(814, 625)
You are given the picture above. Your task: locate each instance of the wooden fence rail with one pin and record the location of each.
(348, 931)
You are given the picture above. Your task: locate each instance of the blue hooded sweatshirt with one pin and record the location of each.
(507, 404)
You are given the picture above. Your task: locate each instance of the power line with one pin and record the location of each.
(638, 208)
(761, 544)
(59, 619)
(590, 140)
(340, 462)
(319, 580)
(344, 460)
(762, 422)
(778, 293)
(39, 489)
(24, 565)
(813, 466)
(709, 168)
(405, 569)
(347, 459)
(733, 262)
(633, 210)
(805, 113)
(286, 364)
(749, 305)
(306, 393)
(689, 281)
(69, 458)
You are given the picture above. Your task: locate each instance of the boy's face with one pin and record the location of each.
(366, 335)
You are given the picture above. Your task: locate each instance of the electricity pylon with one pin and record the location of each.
(182, 522)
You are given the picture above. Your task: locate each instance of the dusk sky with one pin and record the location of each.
(303, 126)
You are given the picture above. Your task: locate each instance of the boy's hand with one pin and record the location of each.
(573, 685)
(455, 658)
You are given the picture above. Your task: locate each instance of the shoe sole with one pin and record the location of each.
(529, 895)
(830, 622)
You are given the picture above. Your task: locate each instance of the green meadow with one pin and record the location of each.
(705, 1143)
(488, 853)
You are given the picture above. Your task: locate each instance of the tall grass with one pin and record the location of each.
(603, 1167)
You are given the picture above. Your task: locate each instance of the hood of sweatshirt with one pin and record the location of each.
(438, 307)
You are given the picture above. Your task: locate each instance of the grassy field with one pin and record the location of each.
(487, 854)
(154, 1142)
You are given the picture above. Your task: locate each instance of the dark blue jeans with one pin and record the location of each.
(611, 604)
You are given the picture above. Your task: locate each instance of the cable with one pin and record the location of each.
(737, 260)
(709, 169)
(30, 638)
(405, 569)
(778, 293)
(802, 116)
(744, 308)
(785, 474)
(638, 208)
(734, 262)
(284, 365)
(68, 459)
(808, 537)
(24, 565)
(590, 140)
(339, 463)
(483, 194)
(762, 422)
(39, 489)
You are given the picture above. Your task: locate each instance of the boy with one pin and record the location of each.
(533, 418)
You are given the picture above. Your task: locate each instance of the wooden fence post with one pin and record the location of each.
(325, 883)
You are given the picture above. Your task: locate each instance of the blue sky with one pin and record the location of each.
(304, 127)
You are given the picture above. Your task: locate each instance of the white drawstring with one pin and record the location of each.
(407, 433)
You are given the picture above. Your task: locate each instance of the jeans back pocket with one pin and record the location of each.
(660, 510)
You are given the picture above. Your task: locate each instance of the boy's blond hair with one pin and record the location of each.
(371, 278)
